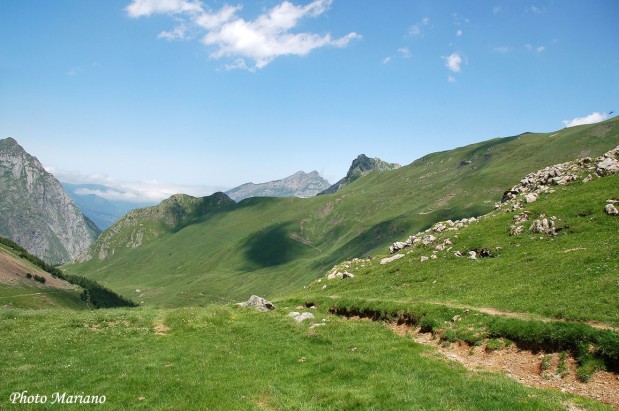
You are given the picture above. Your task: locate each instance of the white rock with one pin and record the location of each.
(390, 259)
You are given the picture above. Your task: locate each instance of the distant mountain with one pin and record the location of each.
(268, 246)
(36, 212)
(143, 225)
(360, 167)
(300, 184)
(102, 211)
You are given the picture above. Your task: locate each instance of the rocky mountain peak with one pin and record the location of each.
(299, 184)
(36, 212)
(361, 166)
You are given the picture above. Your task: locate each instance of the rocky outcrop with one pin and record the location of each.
(36, 212)
(533, 184)
(360, 167)
(426, 238)
(300, 184)
(259, 303)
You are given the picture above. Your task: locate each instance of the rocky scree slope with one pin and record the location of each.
(300, 184)
(36, 212)
(360, 167)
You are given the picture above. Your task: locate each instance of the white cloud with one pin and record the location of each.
(538, 49)
(451, 79)
(404, 52)
(590, 119)
(177, 33)
(387, 60)
(416, 30)
(501, 49)
(74, 71)
(459, 33)
(139, 8)
(453, 62)
(536, 10)
(138, 192)
(251, 44)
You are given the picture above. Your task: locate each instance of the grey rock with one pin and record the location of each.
(298, 317)
(36, 212)
(610, 209)
(258, 303)
(387, 260)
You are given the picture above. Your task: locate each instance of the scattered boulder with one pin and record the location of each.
(610, 209)
(423, 258)
(472, 255)
(544, 225)
(258, 303)
(387, 260)
(345, 274)
(530, 198)
(298, 317)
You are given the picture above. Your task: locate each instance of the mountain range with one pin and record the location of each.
(300, 184)
(36, 212)
(273, 245)
(360, 167)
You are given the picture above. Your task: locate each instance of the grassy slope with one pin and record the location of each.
(268, 246)
(224, 358)
(574, 275)
(20, 292)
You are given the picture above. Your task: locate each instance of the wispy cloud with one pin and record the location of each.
(74, 71)
(137, 192)
(453, 62)
(590, 119)
(404, 52)
(458, 33)
(501, 49)
(451, 79)
(538, 49)
(250, 44)
(387, 60)
(496, 9)
(417, 29)
(536, 10)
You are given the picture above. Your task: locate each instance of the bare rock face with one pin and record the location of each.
(360, 167)
(36, 212)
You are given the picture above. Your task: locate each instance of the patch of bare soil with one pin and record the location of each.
(540, 370)
(13, 271)
(161, 329)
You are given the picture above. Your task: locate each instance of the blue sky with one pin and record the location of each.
(160, 96)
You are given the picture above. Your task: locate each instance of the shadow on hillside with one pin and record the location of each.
(272, 246)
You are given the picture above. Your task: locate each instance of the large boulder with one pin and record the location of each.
(258, 303)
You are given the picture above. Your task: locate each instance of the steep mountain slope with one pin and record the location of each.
(101, 211)
(360, 167)
(24, 285)
(551, 250)
(300, 184)
(35, 210)
(145, 225)
(271, 245)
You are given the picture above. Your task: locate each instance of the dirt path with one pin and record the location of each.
(500, 313)
(539, 370)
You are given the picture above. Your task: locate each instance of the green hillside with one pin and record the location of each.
(24, 285)
(269, 246)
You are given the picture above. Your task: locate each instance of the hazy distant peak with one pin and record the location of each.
(299, 184)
